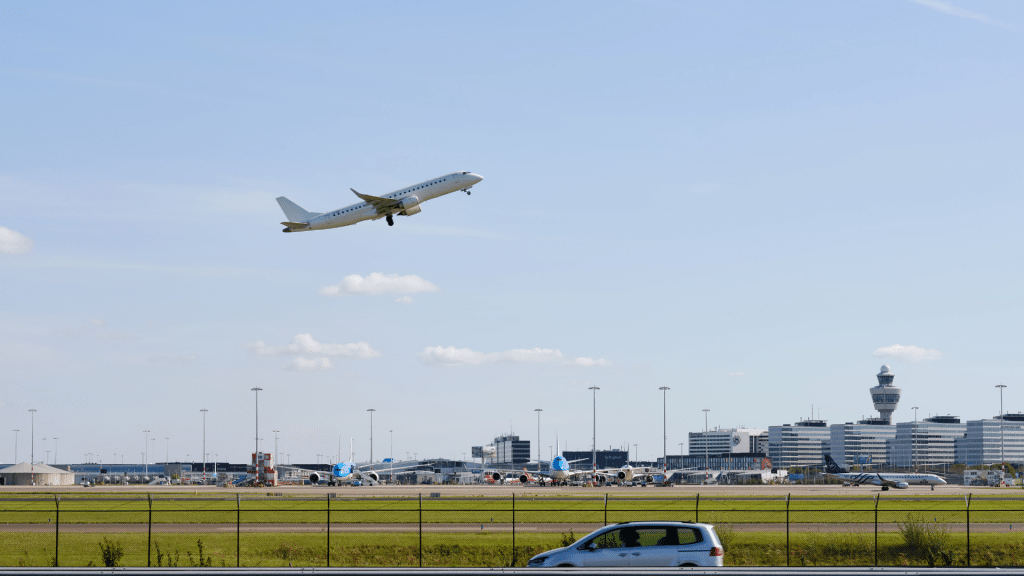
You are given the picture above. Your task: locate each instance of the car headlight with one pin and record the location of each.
(537, 560)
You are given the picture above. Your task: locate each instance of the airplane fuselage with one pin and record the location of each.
(893, 480)
(407, 202)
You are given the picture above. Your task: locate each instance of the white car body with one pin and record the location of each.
(653, 544)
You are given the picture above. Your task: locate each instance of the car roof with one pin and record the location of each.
(660, 522)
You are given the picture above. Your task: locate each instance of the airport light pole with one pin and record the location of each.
(47, 456)
(1001, 457)
(391, 453)
(32, 455)
(636, 454)
(204, 411)
(167, 449)
(276, 432)
(371, 411)
(664, 424)
(145, 453)
(257, 389)
(16, 445)
(913, 442)
(55, 448)
(538, 411)
(594, 439)
(706, 460)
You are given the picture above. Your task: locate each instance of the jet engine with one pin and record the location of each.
(314, 478)
(902, 485)
(410, 205)
(373, 476)
(648, 479)
(497, 477)
(621, 475)
(523, 478)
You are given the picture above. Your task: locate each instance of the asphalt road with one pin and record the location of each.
(767, 491)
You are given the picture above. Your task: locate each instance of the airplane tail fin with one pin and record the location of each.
(831, 467)
(294, 212)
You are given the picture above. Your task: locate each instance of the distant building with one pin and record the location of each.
(727, 440)
(861, 444)
(800, 444)
(26, 474)
(928, 442)
(605, 458)
(510, 450)
(985, 442)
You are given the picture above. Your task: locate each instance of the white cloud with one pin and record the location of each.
(377, 283)
(952, 10)
(301, 364)
(911, 353)
(305, 344)
(404, 300)
(12, 242)
(451, 356)
(737, 374)
(589, 362)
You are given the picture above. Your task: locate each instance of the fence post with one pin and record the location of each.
(876, 528)
(696, 509)
(56, 546)
(787, 529)
(968, 500)
(328, 530)
(421, 529)
(605, 508)
(149, 535)
(513, 529)
(238, 530)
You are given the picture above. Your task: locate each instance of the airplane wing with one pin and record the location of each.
(382, 205)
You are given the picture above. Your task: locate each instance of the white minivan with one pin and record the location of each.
(640, 544)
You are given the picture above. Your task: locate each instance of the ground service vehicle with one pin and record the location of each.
(640, 544)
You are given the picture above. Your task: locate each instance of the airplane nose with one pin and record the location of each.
(476, 178)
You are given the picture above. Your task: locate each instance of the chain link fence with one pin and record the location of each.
(433, 531)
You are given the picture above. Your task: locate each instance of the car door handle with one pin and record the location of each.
(636, 553)
(623, 554)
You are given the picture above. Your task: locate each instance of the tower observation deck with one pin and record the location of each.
(885, 395)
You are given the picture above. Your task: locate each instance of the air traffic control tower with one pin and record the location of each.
(885, 395)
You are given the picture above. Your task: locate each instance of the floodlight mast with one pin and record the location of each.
(664, 426)
(594, 439)
(204, 411)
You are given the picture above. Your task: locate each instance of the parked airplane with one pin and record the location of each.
(558, 472)
(627, 473)
(349, 472)
(886, 481)
(404, 202)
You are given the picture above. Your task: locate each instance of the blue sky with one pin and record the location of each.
(751, 203)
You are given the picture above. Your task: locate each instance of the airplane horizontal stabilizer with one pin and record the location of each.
(296, 225)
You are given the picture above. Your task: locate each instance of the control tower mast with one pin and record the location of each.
(885, 395)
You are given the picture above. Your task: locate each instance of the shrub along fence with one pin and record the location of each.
(110, 529)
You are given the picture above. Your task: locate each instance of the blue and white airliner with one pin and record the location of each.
(404, 202)
(559, 472)
(886, 480)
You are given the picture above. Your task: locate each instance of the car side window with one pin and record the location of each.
(689, 536)
(656, 536)
(610, 539)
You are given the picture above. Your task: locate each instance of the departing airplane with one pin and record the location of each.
(886, 481)
(404, 202)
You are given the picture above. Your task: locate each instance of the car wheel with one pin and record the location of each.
(687, 565)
